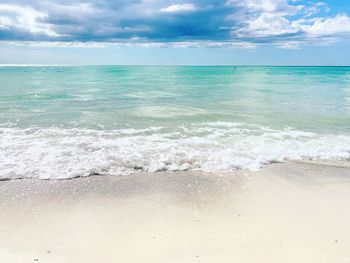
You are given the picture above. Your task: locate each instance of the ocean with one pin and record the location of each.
(60, 122)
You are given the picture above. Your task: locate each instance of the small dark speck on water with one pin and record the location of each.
(336, 241)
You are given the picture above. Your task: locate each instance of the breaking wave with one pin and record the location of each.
(56, 153)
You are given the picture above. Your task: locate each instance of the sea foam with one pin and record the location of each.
(57, 153)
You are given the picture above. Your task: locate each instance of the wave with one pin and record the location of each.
(57, 153)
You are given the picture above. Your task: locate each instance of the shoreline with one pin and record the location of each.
(285, 212)
(327, 163)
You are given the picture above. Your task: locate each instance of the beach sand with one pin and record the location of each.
(291, 212)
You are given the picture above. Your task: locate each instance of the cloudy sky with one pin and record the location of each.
(175, 32)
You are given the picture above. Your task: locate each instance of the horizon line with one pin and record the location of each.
(160, 65)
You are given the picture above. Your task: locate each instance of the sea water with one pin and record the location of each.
(68, 121)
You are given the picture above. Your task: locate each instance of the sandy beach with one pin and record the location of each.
(291, 212)
(171, 131)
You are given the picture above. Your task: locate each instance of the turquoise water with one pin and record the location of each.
(67, 121)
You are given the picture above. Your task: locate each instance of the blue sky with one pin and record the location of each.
(189, 32)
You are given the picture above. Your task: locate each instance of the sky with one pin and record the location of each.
(175, 32)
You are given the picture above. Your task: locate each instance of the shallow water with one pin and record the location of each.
(63, 122)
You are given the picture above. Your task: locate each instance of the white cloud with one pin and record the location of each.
(182, 44)
(280, 7)
(326, 27)
(266, 25)
(264, 18)
(316, 8)
(288, 44)
(57, 44)
(76, 10)
(285, 23)
(24, 19)
(179, 8)
(268, 19)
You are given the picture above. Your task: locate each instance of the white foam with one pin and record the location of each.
(66, 153)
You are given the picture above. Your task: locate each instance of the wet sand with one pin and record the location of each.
(291, 212)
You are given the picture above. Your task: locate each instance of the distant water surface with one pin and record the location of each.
(63, 121)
